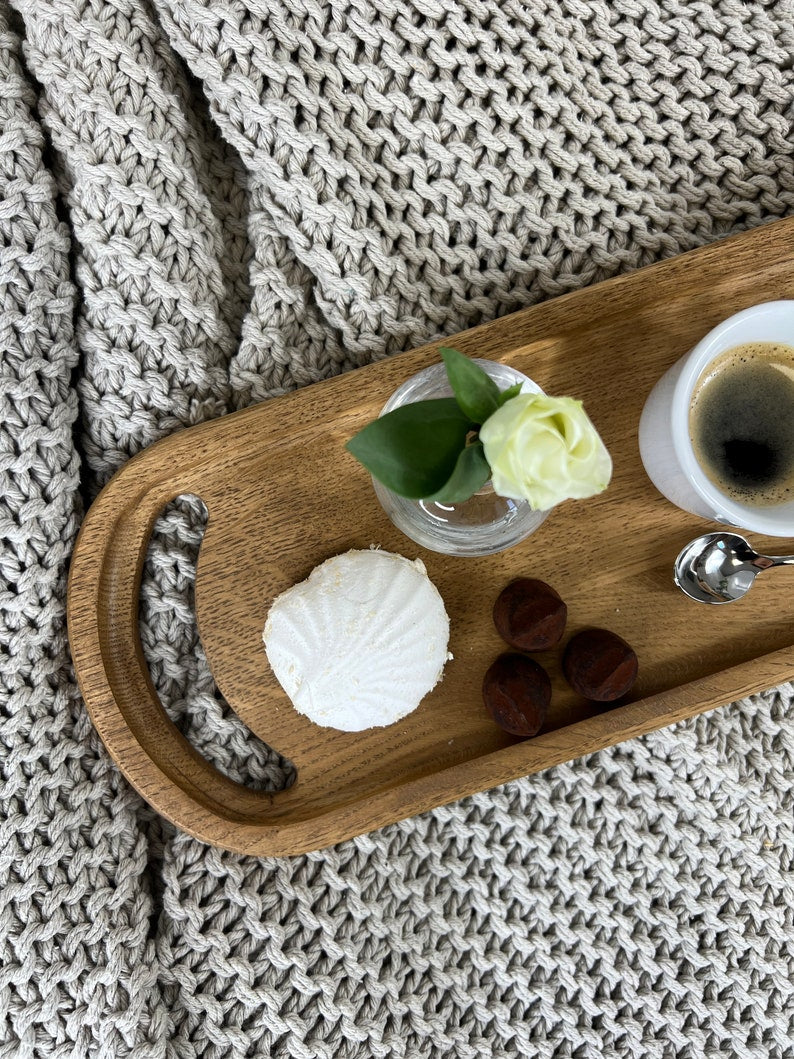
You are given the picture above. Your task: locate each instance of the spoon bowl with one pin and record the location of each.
(721, 567)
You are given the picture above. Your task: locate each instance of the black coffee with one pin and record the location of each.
(741, 422)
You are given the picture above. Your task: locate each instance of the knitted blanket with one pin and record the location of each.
(206, 203)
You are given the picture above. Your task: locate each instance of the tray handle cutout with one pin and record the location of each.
(114, 678)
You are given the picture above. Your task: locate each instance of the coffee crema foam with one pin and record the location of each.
(741, 423)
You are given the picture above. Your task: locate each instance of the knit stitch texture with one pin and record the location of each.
(206, 203)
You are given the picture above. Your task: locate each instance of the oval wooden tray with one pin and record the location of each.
(283, 495)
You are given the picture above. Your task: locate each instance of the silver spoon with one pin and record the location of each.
(721, 567)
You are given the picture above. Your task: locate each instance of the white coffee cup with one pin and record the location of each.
(665, 443)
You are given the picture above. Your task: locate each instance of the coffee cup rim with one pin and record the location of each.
(731, 332)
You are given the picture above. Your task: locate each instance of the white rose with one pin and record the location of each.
(544, 450)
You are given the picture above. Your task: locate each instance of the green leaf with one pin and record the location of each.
(470, 474)
(414, 449)
(476, 393)
(512, 391)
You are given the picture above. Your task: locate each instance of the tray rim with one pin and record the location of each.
(399, 801)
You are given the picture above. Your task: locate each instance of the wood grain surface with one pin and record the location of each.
(283, 495)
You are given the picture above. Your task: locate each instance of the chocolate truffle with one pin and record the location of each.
(529, 615)
(517, 692)
(599, 665)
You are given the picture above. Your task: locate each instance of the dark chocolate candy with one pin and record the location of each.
(599, 664)
(529, 615)
(517, 692)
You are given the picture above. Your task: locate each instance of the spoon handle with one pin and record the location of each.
(774, 560)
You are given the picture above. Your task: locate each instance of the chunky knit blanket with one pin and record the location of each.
(206, 203)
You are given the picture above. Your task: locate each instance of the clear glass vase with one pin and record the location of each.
(483, 524)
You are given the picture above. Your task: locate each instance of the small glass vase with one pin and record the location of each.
(483, 524)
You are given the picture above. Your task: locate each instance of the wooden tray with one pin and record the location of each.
(283, 495)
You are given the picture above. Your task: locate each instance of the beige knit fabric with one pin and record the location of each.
(205, 204)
